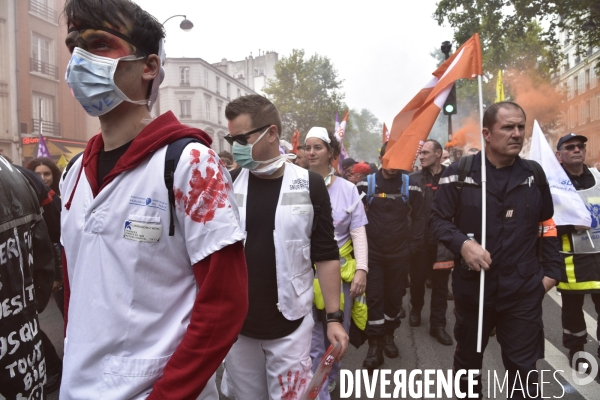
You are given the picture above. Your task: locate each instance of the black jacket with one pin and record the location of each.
(513, 217)
(428, 184)
(26, 276)
(394, 226)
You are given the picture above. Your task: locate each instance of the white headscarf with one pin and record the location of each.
(318, 132)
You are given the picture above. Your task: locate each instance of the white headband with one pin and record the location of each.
(319, 133)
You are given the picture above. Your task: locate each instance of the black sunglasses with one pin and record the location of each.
(571, 147)
(243, 138)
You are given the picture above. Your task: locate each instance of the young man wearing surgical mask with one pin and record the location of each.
(286, 214)
(150, 314)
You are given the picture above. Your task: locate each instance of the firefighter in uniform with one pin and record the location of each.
(394, 232)
(581, 258)
(519, 270)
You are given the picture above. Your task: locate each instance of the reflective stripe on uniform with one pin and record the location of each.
(377, 322)
(415, 188)
(577, 334)
(390, 318)
(454, 178)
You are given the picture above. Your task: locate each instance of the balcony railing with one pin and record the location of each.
(48, 127)
(42, 10)
(43, 68)
(184, 84)
(3, 89)
(185, 116)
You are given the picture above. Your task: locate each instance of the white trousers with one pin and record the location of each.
(269, 369)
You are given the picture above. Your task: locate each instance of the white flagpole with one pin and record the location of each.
(483, 219)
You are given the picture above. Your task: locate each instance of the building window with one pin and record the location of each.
(219, 114)
(587, 79)
(186, 109)
(42, 59)
(208, 110)
(228, 91)
(598, 107)
(239, 92)
(42, 107)
(43, 9)
(206, 78)
(184, 76)
(575, 86)
(218, 83)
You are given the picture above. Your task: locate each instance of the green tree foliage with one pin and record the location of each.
(306, 91)
(509, 25)
(363, 135)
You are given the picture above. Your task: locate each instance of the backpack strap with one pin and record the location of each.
(172, 157)
(70, 164)
(370, 187)
(539, 176)
(464, 167)
(405, 189)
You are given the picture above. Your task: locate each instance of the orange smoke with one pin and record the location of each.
(467, 136)
(541, 101)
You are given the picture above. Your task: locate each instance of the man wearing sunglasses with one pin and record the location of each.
(286, 213)
(151, 313)
(581, 274)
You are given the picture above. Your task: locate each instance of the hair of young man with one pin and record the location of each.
(260, 110)
(141, 27)
(383, 148)
(226, 154)
(436, 145)
(490, 114)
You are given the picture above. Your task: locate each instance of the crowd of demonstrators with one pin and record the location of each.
(423, 260)
(579, 274)
(517, 276)
(26, 277)
(286, 213)
(149, 277)
(301, 159)
(394, 205)
(349, 221)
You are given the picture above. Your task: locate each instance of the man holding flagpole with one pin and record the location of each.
(580, 247)
(519, 268)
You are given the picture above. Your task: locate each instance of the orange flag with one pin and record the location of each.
(295, 141)
(385, 136)
(413, 124)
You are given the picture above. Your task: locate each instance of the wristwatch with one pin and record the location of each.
(337, 316)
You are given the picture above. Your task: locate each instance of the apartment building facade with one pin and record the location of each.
(578, 79)
(197, 93)
(33, 94)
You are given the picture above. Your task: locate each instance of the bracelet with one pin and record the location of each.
(334, 320)
(461, 246)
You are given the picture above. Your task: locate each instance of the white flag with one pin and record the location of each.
(569, 208)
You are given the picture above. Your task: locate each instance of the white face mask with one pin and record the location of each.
(91, 79)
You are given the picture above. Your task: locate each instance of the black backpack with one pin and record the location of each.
(172, 157)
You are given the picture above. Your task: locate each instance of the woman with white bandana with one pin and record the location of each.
(349, 220)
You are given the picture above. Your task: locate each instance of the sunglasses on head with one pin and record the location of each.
(243, 138)
(571, 147)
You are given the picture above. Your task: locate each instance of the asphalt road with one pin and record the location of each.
(418, 350)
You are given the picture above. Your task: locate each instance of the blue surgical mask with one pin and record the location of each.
(91, 79)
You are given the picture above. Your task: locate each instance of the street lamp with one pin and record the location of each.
(186, 25)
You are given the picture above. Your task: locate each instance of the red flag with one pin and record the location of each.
(295, 141)
(413, 124)
(385, 136)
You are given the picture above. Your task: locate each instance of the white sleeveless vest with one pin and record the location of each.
(293, 228)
